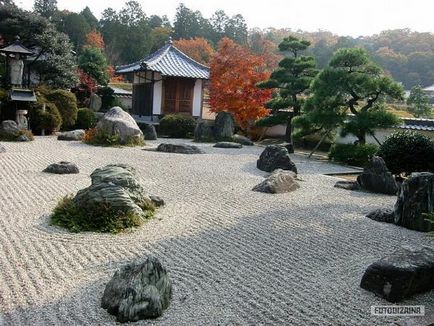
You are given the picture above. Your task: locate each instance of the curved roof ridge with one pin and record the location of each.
(190, 58)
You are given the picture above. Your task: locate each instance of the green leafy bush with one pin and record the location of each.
(357, 155)
(177, 126)
(272, 120)
(66, 103)
(86, 119)
(407, 152)
(50, 120)
(103, 218)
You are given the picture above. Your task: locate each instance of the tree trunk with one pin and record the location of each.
(288, 133)
(319, 143)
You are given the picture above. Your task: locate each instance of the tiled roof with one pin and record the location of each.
(169, 61)
(16, 47)
(418, 124)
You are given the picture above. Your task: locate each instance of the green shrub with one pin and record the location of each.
(86, 119)
(25, 132)
(407, 152)
(272, 120)
(66, 103)
(357, 155)
(50, 120)
(102, 218)
(108, 100)
(96, 137)
(177, 126)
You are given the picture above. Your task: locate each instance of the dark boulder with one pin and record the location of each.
(9, 128)
(415, 199)
(406, 272)
(227, 144)
(203, 132)
(377, 178)
(62, 168)
(385, 215)
(224, 126)
(243, 140)
(275, 157)
(149, 131)
(179, 149)
(138, 291)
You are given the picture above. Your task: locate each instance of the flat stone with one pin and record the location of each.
(62, 168)
(227, 144)
(138, 291)
(280, 181)
(385, 215)
(406, 272)
(377, 178)
(275, 157)
(179, 148)
(242, 140)
(73, 135)
(347, 185)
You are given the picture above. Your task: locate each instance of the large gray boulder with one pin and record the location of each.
(280, 181)
(179, 149)
(95, 102)
(9, 128)
(117, 121)
(406, 272)
(377, 178)
(149, 132)
(275, 157)
(227, 144)
(118, 186)
(73, 135)
(203, 132)
(242, 140)
(62, 168)
(138, 291)
(416, 198)
(224, 126)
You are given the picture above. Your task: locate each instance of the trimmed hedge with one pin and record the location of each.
(407, 152)
(177, 126)
(357, 155)
(50, 120)
(86, 119)
(66, 103)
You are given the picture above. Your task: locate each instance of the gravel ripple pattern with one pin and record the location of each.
(236, 257)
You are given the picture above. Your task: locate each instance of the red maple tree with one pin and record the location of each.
(197, 48)
(94, 39)
(235, 71)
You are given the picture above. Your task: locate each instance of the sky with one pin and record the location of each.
(343, 17)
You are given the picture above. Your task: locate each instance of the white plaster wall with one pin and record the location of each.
(158, 96)
(197, 98)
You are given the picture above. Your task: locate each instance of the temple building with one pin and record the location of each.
(167, 81)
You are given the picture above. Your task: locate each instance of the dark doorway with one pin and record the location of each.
(142, 99)
(178, 95)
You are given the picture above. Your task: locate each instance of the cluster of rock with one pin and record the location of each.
(222, 131)
(72, 135)
(10, 130)
(118, 122)
(118, 186)
(375, 178)
(179, 148)
(275, 159)
(138, 291)
(405, 272)
(62, 168)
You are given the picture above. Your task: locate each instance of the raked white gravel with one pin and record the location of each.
(236, 257)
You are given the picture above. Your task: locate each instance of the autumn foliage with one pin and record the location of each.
(197, 48)
(235, 71)
(87, 83)
(94, 39)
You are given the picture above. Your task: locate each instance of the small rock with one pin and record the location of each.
(62, 168)
(280, 181)
(158, 201)
(243, 140)
(224, 126)
(149, 132)
(23, 138)
(406, 272)
(377, 178)
(77, 134)
(138, 291)
(275, 157)
(203, 132)
(179, 148)
(227, 144)
(385, 215)
(9, 128)
(348, 185)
